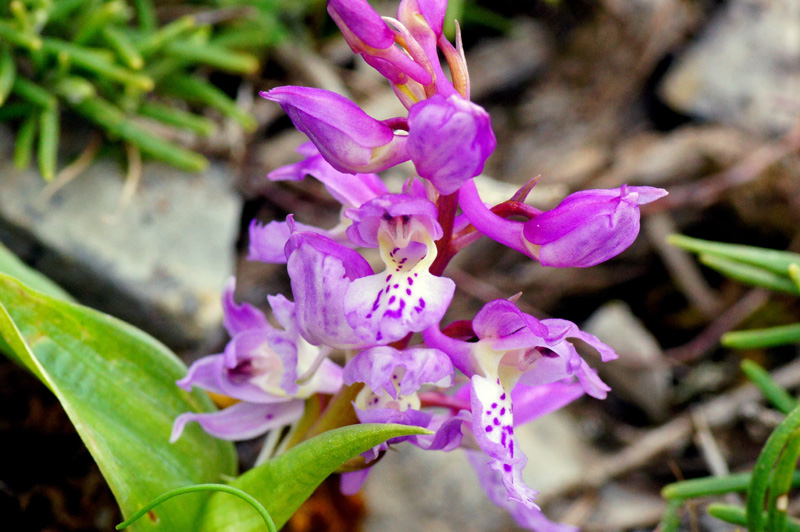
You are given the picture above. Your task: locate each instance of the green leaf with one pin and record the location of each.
(117, 385)
(707, 486)
(736, 516)
(771, 337)
(11, 265)
(771, 260)
(282, 484)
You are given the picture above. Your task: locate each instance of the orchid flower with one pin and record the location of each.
(268, 371)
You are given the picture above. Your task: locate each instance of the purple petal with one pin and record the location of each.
(449, 139)
(379, 367)
(385, 307)
(532, 402)
(528, 517)
(372, 216)
(321, 273)
(343, 133)
(589, 227)
(350, 483)
(242, 421)
(239, 317)
(360, 18)
(268, 242)
(568, 329)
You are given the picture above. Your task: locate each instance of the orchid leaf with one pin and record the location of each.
(283, 483)
(117, 385)
(771, 260)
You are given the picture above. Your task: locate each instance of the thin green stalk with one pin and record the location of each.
(122, 45)
(763, 469)
(106, 15)
(88, 60)
(752, 275)
(23, 145)
(778, 396)
(145, 15)
(48, 142)
(195, 90)
(63, 8)
(8, 72)
(771, 337)
(109, 117)
(156, 40)
(671, 519)
(781, 484)
(736, 515)
(33, 93)
(215, 56)
(178, 118)
(13, 111)
(771, 260)
(794, 274)
(20, 38)
(75, 89)
(249, 499)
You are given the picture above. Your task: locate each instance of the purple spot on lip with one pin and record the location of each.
(488, 428)
(503, 397)
(502, 411)
(496, 421)
(388, 277)
(410, 280)
(507, 468)
(397, 286)
(494, 405)
(488, 412)
(269, 416)
(392, 299)
(408, 291)
(421, 303)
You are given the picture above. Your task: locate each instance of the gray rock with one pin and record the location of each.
(159, 264)
(744, 70)
(641, 374)
(434, 491)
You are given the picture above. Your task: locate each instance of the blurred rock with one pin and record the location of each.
(160, 263)
(623, 507)
(504, 64)
(744, 68)
(641, 374)
(658, 159)
(433, 491)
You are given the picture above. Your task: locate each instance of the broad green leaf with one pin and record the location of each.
(117, 385)
(749, 274)
(11, 265)
(282, 484)
(772, 260)
(771, 337)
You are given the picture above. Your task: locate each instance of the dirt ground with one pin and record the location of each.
(587, 94)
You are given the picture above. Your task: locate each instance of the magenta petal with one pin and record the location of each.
(360, 18)
(383, 311)
(589, 227)
(242, 421)
(369, 218)
(268, 242)
(532, 402)
(527, 517)
(343, 133)
(321, 273)
(377, 367)
(449, 139)
(239, 317)
(350, 483)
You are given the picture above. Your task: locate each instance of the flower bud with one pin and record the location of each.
(449, 139)
(347, 137)
(589, 227)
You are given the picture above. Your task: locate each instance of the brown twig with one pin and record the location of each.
(719, 412)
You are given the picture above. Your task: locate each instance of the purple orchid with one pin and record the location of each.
(514, 348)
(347, 137)
(449, 139)
(267, 242)
(587, 227)
(405, 297)
(269, 371)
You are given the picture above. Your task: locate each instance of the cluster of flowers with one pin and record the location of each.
(472, 382)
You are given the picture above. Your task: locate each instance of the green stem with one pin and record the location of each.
(215, 56)
(752, 275)
(769, 259)
(8, 72)
(48, 143)
(202, 487)
(774, 336)
(23, 145)
(781, 484)
(737, 516)
(771, 390)
(763, 469)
